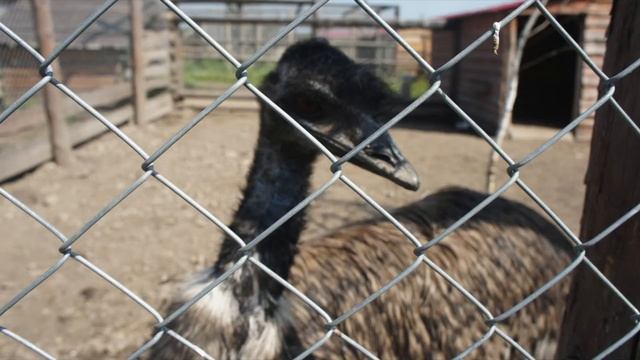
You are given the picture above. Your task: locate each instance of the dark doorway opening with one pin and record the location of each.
(547, 90)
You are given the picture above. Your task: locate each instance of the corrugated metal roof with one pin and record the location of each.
(496, 8)
(552, 6)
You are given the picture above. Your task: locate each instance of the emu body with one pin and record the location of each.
(500, 256)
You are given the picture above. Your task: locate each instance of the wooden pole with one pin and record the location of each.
(58, 129)
(177, 55)
(595, 317)
(139, 90)
(510, 89)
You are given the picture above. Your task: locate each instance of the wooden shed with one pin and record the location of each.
(99, 57)
(96, 66)
(419, 38)
(555, 84)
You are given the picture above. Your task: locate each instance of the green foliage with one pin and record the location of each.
(394, 82)
(419, 85)
(208, 72)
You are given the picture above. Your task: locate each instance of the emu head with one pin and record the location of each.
(338, 101)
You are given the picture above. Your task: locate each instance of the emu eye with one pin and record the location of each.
(307, 107)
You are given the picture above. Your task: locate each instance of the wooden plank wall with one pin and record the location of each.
(158, 60)
(596, 22)
(481, 74)
(420, 40)
(113, 101)
(83, 69)
(443, 48)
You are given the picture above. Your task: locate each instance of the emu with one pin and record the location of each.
(500, 256)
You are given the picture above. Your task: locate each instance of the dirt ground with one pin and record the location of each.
(153, 238)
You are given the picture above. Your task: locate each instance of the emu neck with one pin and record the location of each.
(278, 181)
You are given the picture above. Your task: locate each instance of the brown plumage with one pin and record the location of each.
(500, 256)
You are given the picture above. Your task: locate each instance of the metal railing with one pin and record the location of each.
(421, 249)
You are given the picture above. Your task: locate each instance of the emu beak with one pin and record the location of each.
(383, 157)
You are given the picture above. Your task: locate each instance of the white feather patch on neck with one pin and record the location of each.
(218, 304)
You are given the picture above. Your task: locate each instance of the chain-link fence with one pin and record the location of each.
(421, 249)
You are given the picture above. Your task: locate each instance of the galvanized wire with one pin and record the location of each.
(421, 249)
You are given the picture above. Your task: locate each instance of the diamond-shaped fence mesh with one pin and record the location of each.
(421, 249)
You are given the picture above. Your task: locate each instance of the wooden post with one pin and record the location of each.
(314, 22)
(257, 42)
(593, 32)
(58, 129)
(510, 88)
(177, 55)
(2, 101)
(228, 43)
(595, 317)
(137, 62)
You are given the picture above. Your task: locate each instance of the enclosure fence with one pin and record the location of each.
(163, 325)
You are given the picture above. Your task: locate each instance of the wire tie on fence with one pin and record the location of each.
(435, 77)
(513, 169)
(246, 250)
(64, 250)
(579, 248)
(607, 84)
(335, 167)
(148, 167)
(420, 250)
(330, 326)
(636, 318)
(491, 322)
(496, 37)
(241, 72)
(161, 327)
(45, 71)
